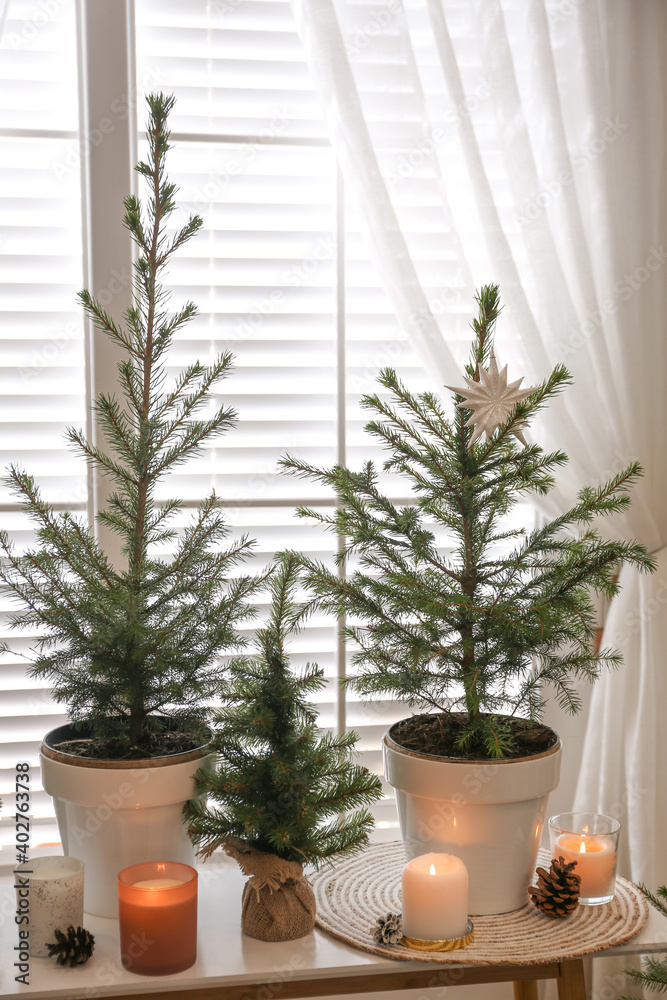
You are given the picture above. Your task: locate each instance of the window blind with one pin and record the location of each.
(284, 278)
(42, 380)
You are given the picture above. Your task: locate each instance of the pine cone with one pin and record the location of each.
(557, 890)
(73, 948)
(389, 929)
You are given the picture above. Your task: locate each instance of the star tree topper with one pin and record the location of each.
(491, 400)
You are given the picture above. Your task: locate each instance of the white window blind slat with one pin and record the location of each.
(42, 379)
(237, 69)
(38, 82)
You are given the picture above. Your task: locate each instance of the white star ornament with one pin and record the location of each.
(491, 400)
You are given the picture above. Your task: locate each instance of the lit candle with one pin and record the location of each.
(596, 862)
(157, 908)
(435, 897)
(158, 883)
(590, 839)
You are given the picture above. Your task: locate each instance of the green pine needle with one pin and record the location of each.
(121, 644)
(478, 630)
(280, 784)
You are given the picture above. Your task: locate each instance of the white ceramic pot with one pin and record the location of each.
(112, 814)
(489, 814)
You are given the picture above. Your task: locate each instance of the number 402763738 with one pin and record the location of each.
(22, 795)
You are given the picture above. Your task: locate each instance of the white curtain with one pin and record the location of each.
(542, 126)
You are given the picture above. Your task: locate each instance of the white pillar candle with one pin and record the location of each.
(49, 894)
(435, 897)
(596, 858)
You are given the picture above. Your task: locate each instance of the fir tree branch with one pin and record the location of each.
(441, 630)
(278, 778)
(121, 642)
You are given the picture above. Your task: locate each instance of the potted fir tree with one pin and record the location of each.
(133, 649)
(474, 635)
(287, 794)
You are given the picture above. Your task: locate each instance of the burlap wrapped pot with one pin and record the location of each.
(278, 902)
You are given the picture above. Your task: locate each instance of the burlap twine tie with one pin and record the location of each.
(278, 902)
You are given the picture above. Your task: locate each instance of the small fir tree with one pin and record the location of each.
(122, 644)
(280, 784)
(476, 629)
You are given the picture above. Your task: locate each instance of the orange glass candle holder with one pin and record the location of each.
(157, 908)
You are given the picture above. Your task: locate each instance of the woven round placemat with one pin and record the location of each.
(351, 896)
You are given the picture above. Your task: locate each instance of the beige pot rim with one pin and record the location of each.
(391, 744)
(119, 765)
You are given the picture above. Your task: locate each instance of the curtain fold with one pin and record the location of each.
(546, 124)
(326, 50)
(621, 770)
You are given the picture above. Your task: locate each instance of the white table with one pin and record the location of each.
(231, 966)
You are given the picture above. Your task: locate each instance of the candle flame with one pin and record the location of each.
(585, 829)
(432, 872)
(582, 847)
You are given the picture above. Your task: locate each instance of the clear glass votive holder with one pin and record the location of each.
(591, 840)
(49, 897)
(157, 910)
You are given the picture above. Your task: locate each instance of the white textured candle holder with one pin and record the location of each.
(50, 891)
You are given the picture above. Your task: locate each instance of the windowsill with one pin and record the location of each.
(315, 965)
(226, 957)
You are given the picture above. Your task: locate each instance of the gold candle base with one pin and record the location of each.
(452, 944)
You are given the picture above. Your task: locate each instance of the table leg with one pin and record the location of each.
(571, 982)
(525, 990)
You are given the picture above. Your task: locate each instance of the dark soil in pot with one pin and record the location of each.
(437, 734)
(166, 741)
